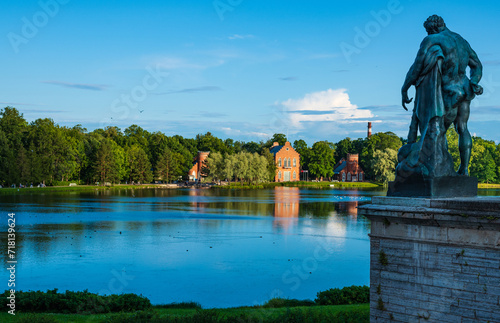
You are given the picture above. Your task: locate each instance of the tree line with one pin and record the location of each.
(43, 152)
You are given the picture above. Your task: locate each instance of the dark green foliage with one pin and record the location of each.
(321, 160)
(285, 302)
(277, 137)
(78, 302)
(299, 315)
(37, 318)
(380, 304)
(382, 258)
(44, 152)
(137, 317)
(344, 296)
(182, 305)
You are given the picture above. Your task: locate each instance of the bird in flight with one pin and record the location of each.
(141, 111)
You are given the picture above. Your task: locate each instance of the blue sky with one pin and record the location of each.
(241, 69)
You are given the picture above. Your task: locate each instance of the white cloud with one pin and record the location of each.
(251, 134)
(330, 106)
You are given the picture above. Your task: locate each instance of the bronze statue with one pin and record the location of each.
(443, 96)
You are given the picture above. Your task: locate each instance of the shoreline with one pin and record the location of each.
(233, 185)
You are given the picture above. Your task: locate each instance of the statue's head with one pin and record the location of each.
(434, 24)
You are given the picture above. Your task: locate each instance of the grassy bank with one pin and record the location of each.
(338, 313)
(235, 185)
(79, 188)
(488, 186)
(348, 304)
(302, 184)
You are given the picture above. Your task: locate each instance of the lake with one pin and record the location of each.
(221, 248)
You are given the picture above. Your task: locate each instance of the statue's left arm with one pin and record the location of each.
(414, 72)
(476, 72)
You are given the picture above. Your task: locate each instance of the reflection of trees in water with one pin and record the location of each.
(348, 208)
(489, 192)
(241, 202)
(317, 209)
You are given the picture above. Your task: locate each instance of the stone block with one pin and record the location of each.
(446, 186)
(443, 259)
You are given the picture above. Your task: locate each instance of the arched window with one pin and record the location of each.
(279, 174)
(279, 162)
(295, 162)
(360, 177)
(294, 175)
(289, 162)
(343, 177)
(348, 177)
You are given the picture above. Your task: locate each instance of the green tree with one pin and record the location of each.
(384, 165)
(139, 165)
(13, 125)
(168, 166)
(214, 167)
(258, 171)
(379, 141)
(277, 137)
(271, 165)
(343, 147)
(55, 154)
(106, 165)
(252, 147)
(136, 136)
(322, 160)
(208, 142)
(229, 166)
(482, 164)
(242, 166)
(301, 147)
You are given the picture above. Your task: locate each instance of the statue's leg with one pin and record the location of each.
(413, 132)
(464, 139)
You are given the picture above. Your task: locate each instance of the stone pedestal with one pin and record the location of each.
(434, 260)
(444, 186)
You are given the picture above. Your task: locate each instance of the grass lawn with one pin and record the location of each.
(237, 185)
(79, 188)
(352, 313)
(484, 185)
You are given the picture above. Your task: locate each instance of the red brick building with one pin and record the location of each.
(195, 173)
(348, 169)
(287, 162)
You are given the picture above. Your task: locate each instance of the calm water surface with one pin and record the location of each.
(216, 247)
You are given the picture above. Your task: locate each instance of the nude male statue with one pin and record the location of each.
(452, 55)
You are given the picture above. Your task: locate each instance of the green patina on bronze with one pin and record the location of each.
(443, 96)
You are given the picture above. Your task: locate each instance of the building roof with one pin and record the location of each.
(275, 149)
(340, 167)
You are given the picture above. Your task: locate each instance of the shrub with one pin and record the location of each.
(78, 302)
(344, 296)
(182, 305)
(285, 302)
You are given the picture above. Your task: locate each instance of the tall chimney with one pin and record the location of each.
(369, 129)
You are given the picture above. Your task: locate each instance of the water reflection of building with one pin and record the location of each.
(351, 208)
(286, 206)
(198, 200)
